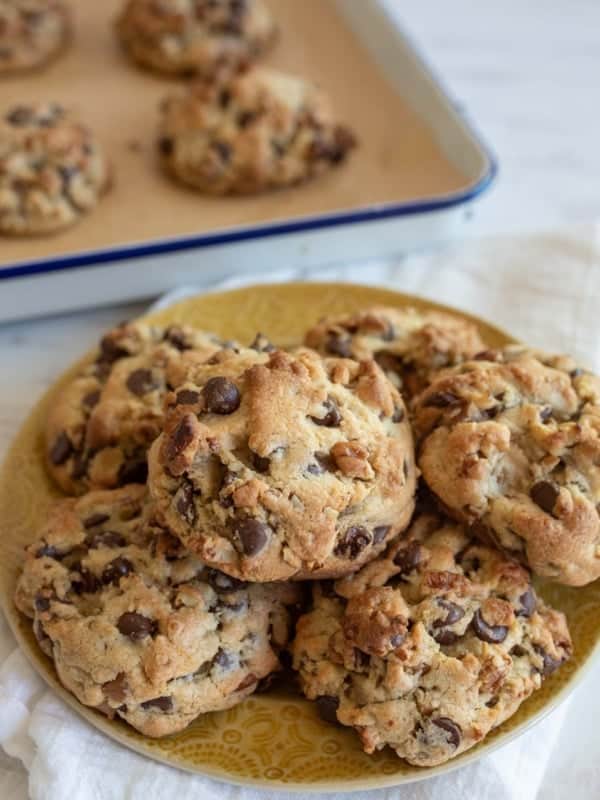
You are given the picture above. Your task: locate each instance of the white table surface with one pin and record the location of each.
(528, 74)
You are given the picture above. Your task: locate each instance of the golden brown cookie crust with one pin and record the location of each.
(136, 626)
(262, 130)
(430, 646)
(207, 38)
(511, 444)
(409, 345)
(53, 171)
(277, 465)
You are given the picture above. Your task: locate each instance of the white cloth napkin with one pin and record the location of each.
(546, 290)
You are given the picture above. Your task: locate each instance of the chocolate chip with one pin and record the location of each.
(184, 503)
(518, 651)
(181, 438)
(221, 396)
(136, 626)
(332, 418)
(110, 539)
(389, 362)
(141, 381)
(441, 400)
(177, 337)
(223, 583)
(80, 465)
(398, 415)
(453, 613)
(111, 351)
(545, 413)
(61, 449)
(20, 115)
(327, 707)
(408, 558)
(353, 542)
(222, 659)
(544, 494)
(245, 118)
(161, 703)
(451, 728)
(41, 603)
(116, 690)
(260, 464)
(95, 519)
(324, 463)
(251, 534)
(187, 397)
(224, 98)
(49, 551)
(91, 399)
(445, 636)
(86, 582)
(222, 149)
(528, 603)
(246, 682)
(339, 345)
(380, 532)
(133, 472)
(166, 145)
(549, 663)
(116, 569)
(493, 634)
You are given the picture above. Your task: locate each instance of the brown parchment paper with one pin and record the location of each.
(398, 159)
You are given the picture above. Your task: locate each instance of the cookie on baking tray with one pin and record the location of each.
(136, 626)
(100, 426)
(52, 170)
(510, 443)
(32, 33)
(275, 465)
(203, 37)
(262, 130)
(408, 344)
(430, 646)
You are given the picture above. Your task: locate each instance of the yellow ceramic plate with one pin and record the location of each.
(274, 740)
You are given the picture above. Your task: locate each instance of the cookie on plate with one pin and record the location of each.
(510, 443)
(136, 626)
(278, 465)
(195, 37)
(99, 428)
(52, 170)
(408, 344)
(32, 33)
(429, 647)
(262, 130)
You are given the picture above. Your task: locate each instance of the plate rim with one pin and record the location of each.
(16, 621)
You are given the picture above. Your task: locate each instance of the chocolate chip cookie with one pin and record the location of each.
(139, 628)
(52, 170)
(409, 345)
(32, 33)
(202, 37)
(275, 465)
(261, 130)
(429, 647)
(99, 429)
(510, 443)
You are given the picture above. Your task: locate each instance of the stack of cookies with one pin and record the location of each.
(367, 509)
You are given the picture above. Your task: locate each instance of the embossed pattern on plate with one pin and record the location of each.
(271, 740)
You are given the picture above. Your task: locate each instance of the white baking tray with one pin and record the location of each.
(116, 274)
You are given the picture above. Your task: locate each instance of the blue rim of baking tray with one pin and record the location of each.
(375, 213)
